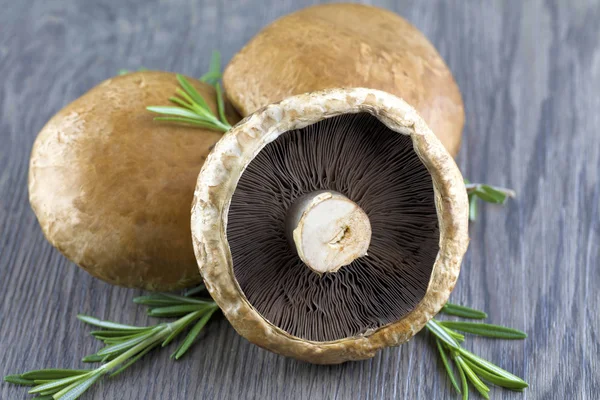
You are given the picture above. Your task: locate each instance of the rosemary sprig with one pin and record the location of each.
(191, 108)
(472, 368)
(124, 344)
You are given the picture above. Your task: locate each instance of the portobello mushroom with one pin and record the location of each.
(330, 225)
(347, 45)
(112, 188)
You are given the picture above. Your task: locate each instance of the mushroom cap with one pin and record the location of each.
(347, 45)
(232, 155)
(112, 188)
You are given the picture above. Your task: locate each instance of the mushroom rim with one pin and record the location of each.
(226, 163)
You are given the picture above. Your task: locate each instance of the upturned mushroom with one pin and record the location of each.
(112, 188)
(347, 45)
(330, 225)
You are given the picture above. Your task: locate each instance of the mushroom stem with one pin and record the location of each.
(328, 230)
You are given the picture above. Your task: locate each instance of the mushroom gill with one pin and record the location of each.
(356, 157)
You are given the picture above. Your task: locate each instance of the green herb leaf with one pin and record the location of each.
(121, 339)
(491, 194)
(463, 382)
(221, 104)
(185, 322)
(477, 383)
(92, 358)
(495, 379)
(194, 291)
(56, 384)
(442, 334)
(52, 373)
(472, 207)
(134, 359)
(490, 198)
(211, 78)
(189, 102)
(497, 196)
(183, 103)
(106, 324)
(214, 72)
(186, 121)
(457, 336)
(447, 365)
(18, 379)
(489, 330)
(185, 299)
(111, 334)
(489, 366)
(127, 344)
(189, 340)
(78, 388)
(177, 111)
(174, 311)
(462, 311)
(154, 301)
(192, 92)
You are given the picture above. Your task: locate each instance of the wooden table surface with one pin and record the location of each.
(530, 76)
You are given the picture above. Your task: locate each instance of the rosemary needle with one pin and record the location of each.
(213, 75)
(489, 330)
(447, 364)
(462, 311)
(463, 382)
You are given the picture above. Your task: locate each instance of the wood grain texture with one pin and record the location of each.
(529, 72)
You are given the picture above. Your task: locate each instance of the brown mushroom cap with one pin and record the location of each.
(112, 188)
(347, 45)
(335, 140)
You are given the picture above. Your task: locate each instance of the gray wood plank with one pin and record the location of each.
(530, 76)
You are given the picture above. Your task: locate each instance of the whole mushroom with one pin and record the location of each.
(347, 45)
(112, 188)
(330, 225)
